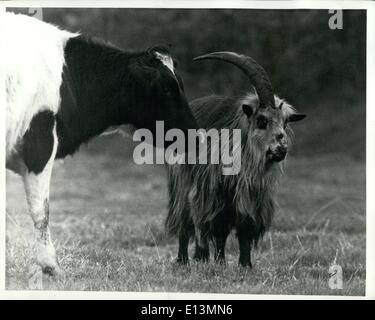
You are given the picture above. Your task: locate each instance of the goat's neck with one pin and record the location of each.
(92, 93)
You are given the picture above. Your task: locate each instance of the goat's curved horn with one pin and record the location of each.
(252, 69)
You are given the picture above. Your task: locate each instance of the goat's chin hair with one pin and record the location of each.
(256, 183)
(196, 190)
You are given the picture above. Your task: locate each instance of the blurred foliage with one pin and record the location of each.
(305, 59)
(310, 65)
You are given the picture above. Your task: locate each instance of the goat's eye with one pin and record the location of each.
(262, 122)
(167, 91)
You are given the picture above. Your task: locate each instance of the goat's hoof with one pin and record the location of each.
(53, 271)
(246, 266)
(181, 265)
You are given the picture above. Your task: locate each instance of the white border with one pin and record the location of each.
(370, 152)
(180, 4)
(370, 155)
(2, 167)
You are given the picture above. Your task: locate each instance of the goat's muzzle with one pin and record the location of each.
(278, 154)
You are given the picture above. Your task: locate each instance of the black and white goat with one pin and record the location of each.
(62, 89)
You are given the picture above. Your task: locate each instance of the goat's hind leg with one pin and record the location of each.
(202, 249)
(185, 233)
(220, 241)
(183, 242)
(222, 225)
(39, 150)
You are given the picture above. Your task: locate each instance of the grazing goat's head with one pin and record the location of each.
(160, 92)
(263, 117)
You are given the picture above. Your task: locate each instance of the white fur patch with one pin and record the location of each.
(286, 108)
(33, 57)
(37, 193)
(37, 185)
(166, 60)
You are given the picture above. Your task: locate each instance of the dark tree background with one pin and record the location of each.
(320, 71)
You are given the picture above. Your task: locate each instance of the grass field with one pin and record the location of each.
(107, 218)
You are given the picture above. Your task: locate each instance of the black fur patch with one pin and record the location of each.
(38, 141)
(105, 86)
(88, 92)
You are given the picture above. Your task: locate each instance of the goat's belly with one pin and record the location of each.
(33, 53)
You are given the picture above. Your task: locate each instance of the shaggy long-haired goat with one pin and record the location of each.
(207, 204)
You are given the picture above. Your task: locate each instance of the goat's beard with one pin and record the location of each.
(274, 157)
(259, 160)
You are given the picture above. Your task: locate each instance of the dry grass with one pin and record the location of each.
(107, 219)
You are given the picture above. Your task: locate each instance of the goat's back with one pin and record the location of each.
(210, 112)
(213, 111)
(33, 52)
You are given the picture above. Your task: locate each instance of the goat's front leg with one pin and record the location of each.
(244, 241)
(39, 155)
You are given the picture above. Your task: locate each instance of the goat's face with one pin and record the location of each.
(171, 104)
(161, 96)
(269, 128)
(267, 116)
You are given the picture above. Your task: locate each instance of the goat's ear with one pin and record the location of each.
(296, 117)
(247, 109)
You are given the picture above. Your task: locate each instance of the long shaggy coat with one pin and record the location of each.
(207, 204)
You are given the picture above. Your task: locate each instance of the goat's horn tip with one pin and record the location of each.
(199, 58)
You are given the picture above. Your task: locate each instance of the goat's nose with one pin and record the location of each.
(280, 136)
